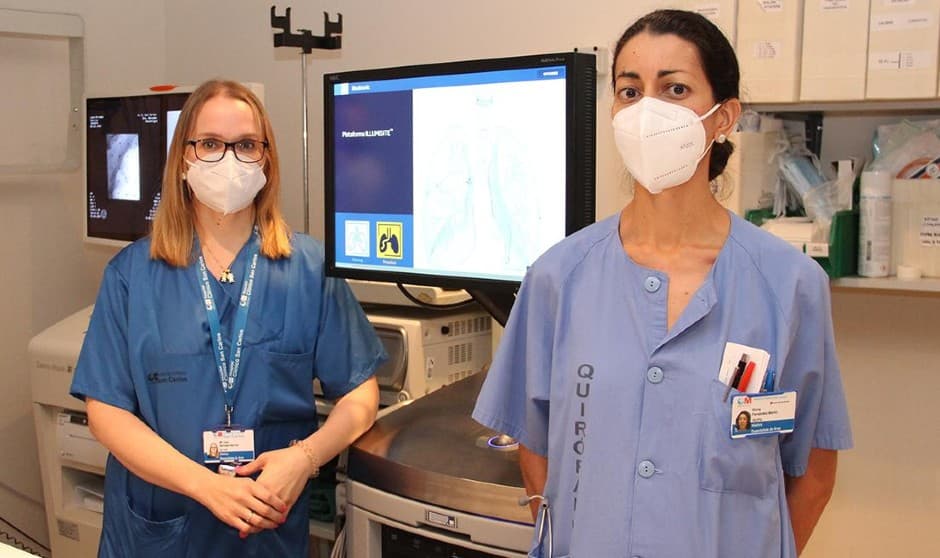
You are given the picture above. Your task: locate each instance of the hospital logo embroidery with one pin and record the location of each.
(167, 377)
(390, 243)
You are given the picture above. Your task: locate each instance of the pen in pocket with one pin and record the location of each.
(746, 377)
(769, 379)
(738, 373)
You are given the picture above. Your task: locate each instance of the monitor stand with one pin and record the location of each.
(497, 301)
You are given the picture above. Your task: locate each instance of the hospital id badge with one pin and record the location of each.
(228, 444)
(762, 414)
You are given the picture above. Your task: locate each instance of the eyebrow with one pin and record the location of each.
(659, 74)
(210, 135)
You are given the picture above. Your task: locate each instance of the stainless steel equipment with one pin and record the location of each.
(426, 479)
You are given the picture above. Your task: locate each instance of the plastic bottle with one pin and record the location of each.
(874, 238)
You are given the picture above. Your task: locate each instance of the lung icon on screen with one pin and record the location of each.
(389, 240)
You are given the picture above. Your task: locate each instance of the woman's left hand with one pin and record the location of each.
(284, 472)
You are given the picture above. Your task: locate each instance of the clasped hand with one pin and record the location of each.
(284, 474)
(254, 505)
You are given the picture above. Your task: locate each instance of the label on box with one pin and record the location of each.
(829, 5)
(930, 231)
(891, 3)
(817, 249)
(767, 49)
(900, 60)
(711, 11)
(771, 5)
(900, 21)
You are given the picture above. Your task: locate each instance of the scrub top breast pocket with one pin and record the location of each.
(288, 385)
(743, 466)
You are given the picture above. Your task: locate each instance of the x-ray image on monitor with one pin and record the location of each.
(126, 143)
(123, 166)
(489, 174)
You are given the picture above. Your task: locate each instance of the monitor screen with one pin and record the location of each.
(126, 143)
(458, 174)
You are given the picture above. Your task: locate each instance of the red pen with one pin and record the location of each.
(746, 377)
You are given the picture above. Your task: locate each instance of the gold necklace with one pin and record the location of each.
(226, 276)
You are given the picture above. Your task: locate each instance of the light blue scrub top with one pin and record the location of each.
(631, 415)
(147, 351)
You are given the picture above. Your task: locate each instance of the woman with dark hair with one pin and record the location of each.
(743, 422)
(225, 299)
(607, 372)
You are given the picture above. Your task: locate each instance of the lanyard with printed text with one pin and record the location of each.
(228, 369)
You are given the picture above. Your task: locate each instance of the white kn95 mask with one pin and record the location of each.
(661, 143)
(226, 186)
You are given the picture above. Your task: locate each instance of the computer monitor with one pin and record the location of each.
(458, 174)
(126, 143)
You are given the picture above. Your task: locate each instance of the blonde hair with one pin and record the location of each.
(172, 234)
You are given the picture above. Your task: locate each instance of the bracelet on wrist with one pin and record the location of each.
(311, 456)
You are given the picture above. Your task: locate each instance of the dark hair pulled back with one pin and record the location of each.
(715, 53)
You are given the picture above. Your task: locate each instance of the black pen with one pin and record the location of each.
(738, 372)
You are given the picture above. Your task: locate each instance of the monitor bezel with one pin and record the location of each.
(580, 169)
(106, 240)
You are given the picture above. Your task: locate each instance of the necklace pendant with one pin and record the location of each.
(226, 276)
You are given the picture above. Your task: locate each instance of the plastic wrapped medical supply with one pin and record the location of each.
(874, 242)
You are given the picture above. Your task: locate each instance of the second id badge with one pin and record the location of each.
(762, 414)
(228, 444)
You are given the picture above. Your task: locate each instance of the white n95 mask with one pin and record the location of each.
(661, 143)
(226, 186)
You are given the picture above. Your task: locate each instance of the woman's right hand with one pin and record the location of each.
(242, 503)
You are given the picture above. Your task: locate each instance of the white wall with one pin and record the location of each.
(887, 498)
(886, 503)
(47, 272)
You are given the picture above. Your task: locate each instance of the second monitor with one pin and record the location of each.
(458, 174)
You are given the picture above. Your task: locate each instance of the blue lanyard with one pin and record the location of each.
(228, 368)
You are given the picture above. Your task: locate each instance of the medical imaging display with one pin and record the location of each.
(126, 143)
(123, 166)
(442, 172)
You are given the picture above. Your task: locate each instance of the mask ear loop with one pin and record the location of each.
(708, 147)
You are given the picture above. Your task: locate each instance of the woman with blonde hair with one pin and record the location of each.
(209, 334)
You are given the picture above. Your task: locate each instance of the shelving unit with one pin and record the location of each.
(926, 285)
(847, 131)
(865, 106)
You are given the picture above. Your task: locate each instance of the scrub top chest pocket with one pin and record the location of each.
(738, 466)
(289, 386)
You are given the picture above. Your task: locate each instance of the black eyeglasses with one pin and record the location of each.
(211, 150)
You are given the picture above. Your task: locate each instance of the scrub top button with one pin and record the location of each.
(654, 374)
(646, 469)
(651, 284)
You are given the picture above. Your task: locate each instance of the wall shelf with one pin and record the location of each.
(925, 285)
(865, 106)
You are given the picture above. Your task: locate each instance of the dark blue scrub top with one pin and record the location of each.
(147, 351)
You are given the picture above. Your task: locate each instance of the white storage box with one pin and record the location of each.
(915, 224)
(835, 43)
(769, 48)
(902, 49)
